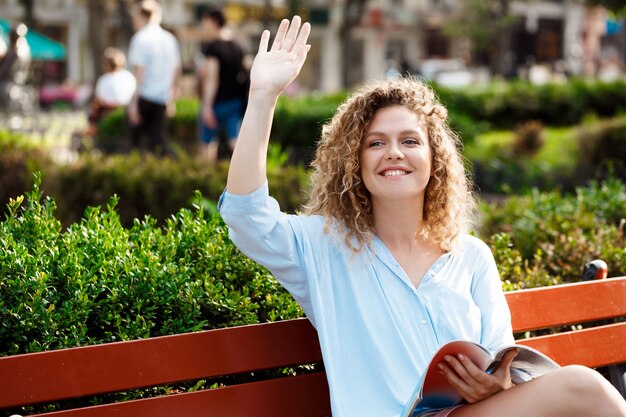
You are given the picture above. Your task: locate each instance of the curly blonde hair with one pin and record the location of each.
(338, 192)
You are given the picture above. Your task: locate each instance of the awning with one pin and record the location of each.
(41, 47)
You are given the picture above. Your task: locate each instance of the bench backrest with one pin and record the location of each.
(114, 367)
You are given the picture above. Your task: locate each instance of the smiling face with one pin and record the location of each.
(395, 156)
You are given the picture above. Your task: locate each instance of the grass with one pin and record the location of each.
(560, 148)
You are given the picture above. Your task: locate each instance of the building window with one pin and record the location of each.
(436, 43)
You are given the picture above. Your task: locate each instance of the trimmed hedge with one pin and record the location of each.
(547, 237)
(503, 105)
(298, 120)
(145, 184)
(97, 281)
(603, 148)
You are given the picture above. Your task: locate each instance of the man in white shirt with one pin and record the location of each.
(154, 56)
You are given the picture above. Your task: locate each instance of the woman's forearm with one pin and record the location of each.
(248, 164)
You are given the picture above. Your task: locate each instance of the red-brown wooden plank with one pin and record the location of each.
(49, 376)
(68, 373)
(300, 396)
(557, 305)
(593, 347)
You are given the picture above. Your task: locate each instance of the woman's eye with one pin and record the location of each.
(376, 143)
(411, 141)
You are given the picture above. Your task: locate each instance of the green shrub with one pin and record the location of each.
(149, 185)
(97, 281)
(18, 160)
(603, 148)
(560, 233)
(516, 271)
(145, 185)
(298, 120)
(529, 138)
(114, 134)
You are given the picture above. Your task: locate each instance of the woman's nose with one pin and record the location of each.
(394, 152)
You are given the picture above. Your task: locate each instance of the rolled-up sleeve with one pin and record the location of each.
(268, 236)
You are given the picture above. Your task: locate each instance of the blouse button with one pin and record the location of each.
(424, 322)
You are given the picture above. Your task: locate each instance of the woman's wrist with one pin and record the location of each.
(262, 97)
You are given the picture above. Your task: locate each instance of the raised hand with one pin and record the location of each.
(276, 68)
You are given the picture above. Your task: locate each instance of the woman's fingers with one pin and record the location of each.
(301, 47)
(264, 42)
(304, 34)
(280, 35)
(292, 33)
(459, 368)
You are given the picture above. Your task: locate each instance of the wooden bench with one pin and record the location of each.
(48, 377)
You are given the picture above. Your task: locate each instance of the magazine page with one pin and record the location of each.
(528, 364)
(433, 390)
(436, 392)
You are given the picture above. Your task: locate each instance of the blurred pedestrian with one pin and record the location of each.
(3, 44)
(114, 89)
(14, 68)
(154, 56)
(224, 79)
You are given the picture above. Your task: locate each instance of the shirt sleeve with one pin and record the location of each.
(209, 49)
(488, 295)
(266, 235)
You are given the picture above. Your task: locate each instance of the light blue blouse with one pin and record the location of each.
(377, 332)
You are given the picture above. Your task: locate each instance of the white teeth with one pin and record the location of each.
(394, 173)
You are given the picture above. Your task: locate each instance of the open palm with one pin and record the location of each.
(274, 69)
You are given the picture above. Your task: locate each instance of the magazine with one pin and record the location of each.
(433, 390)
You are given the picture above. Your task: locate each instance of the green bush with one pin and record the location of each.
(298, 120)
(507, 174)
(603, 148)
(502, 105)
(557, 234)
(97, 281)
(114, 134)
(18, 160)
(549, 157)
(145, 185)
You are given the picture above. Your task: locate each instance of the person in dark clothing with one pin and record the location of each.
(223, 82)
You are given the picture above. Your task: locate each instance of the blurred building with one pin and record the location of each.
(382, 36)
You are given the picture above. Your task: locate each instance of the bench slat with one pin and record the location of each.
(593, 347)
(557, 305)
(77, 372)
(299, 396)
(71, 373)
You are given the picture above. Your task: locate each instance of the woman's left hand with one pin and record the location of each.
(471, 382)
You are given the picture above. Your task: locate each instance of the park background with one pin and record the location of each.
(100, 244)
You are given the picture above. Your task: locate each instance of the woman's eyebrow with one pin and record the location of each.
(374, 133)
(402, 133)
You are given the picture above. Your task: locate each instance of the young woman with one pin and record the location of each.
(380, 262)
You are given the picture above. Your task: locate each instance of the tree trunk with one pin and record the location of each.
(502, 43)
(126, 21)
(352, 12)
(97, 12)
(29, 12)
